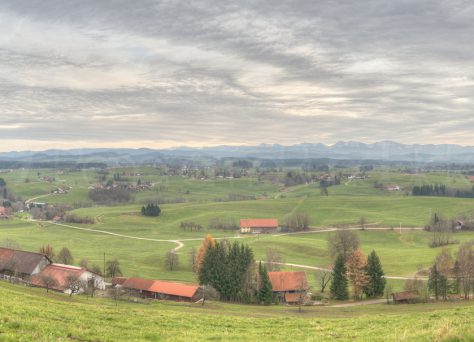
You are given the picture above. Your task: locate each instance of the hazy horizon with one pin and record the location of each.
(206, 73)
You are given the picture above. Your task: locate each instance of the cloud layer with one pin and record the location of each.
(168, 73)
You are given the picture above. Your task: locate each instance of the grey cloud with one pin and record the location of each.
(247, 72)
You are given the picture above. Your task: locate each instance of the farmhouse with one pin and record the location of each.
(289, 287)
(159, 289)
(258, 226)
(21, 264)
(62, 275)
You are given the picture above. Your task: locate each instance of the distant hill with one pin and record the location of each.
(384, 150)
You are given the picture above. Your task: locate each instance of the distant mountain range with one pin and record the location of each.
(384, 150)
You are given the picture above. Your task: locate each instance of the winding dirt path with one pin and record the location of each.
(180, 243)
(177, 242)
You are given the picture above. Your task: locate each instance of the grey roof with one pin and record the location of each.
(23, 262)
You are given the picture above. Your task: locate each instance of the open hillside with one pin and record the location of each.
(33, 315)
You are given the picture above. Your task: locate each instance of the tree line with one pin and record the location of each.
(230, 269)
(430, 190)
(351, 266)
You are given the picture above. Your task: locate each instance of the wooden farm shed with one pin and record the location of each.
(161, 289)
(258, 226)
(289, 286)
(406, 297)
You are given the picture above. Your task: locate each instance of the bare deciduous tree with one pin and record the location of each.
(113, 269)
(48, 282)
(465, 261)
(74, 284)
(273, 260)
(171, 260)
(209, 293)
(444, 262)
(342, 242)
(302, 294)
(323, 278)
(65, 256)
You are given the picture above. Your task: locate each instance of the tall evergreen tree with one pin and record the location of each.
(265, 292)
(225, 267)
(438, 283)
(377, 282)
(339, 280)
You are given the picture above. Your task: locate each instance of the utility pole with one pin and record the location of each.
(104, 265)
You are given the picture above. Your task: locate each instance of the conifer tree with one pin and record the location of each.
(437, 283)
(225, 267)
(265, 292)
(339, 280)
(376, 285)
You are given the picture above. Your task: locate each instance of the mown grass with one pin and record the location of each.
(32, 315)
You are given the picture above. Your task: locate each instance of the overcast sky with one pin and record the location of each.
(170, 73)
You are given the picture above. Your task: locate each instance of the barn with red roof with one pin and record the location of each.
(158, 289)
(258, 226)
(289, 287)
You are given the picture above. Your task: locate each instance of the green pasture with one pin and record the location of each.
(28, 314)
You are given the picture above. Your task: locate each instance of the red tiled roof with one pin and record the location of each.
(259, 223)
(288, 281)
(138, 284)
(157, 286)
(118, 280)
(58, 272)
(174, 289)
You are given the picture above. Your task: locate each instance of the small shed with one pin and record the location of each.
(406, 297)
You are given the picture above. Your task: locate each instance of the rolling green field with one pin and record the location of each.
(28, 314)
(401, 254)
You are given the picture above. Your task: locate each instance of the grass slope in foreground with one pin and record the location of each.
(32, 315)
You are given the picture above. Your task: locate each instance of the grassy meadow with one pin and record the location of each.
(28, 314)
(401, 254)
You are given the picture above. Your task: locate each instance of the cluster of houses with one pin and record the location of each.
(34, 268)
